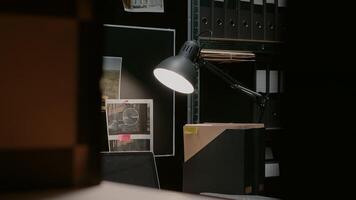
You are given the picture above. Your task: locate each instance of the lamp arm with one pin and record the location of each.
(234, 84)
(260, 99)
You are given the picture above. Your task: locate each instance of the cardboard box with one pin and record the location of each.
(225, 158)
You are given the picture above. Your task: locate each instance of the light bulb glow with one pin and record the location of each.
(173, 80)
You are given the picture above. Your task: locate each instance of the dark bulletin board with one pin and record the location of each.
(141, 49)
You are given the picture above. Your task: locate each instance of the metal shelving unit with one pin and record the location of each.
(268, 54)
(193, 32)
(262, 47)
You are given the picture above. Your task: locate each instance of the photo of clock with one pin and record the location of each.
(130, 116)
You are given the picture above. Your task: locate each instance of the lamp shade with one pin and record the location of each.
(178, 72)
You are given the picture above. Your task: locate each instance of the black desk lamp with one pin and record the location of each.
(179, 73)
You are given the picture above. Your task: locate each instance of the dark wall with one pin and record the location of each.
(320, 104)
(174, 17)
(219, 102)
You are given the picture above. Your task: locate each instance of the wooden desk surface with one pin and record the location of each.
(103, 191)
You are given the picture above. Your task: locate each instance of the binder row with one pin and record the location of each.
(243, 19)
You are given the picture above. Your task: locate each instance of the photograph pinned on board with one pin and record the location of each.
(155, 6)
(110, 79)
(129, 124)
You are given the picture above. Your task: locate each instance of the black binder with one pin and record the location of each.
(137, 168)
(231, 23)
(218, 18)
(205, 17)
(270, 25)
(258, 20)
(281, 20)
(273, 111)
(254, 137)
(245, 19)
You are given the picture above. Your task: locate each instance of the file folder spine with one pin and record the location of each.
(270, 19)
(245, 17)
(281, 19)
(231, 22)
(218, 18)
(258, 20)
(205, 22)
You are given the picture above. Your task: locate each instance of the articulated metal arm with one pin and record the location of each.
(260, 99)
